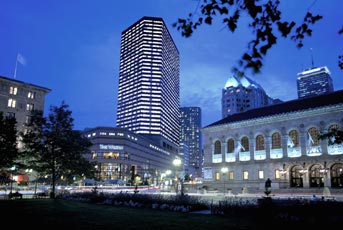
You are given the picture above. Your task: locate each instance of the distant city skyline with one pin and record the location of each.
(73, 48)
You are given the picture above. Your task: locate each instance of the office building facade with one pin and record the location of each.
(241, 94)
(191, 136)
(279, 142)
(314, 81)
(122, 154)
(148, 90)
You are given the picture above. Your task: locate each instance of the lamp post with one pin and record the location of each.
(168, 173)
(224, 170)
(177, 163)
(12, 169)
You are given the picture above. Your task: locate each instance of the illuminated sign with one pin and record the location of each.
(111, 147)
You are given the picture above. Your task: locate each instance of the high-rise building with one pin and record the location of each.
(191, 136)
(148, 94)
(18, 99)
(241, 94)
(314, 81)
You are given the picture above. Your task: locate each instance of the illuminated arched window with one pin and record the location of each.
(217, 147)
(259, 142)
(245, 144)
(230, 146)
(276, 141)
(313, 136)
(333, 128)
(294, 137)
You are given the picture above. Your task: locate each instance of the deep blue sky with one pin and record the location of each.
(72, 47)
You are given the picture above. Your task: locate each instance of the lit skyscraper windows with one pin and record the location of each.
(314, 81)
(149, 80)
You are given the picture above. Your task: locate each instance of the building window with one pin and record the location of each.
(217, 147)
(245, 144)
(313, 136)
(294, 138)
(260, 174)
(276, 141)
(11, 103)
(13, 90)
(29, 107)
(337, 175)
(31, 95)
(231, 175)
(259, 142)
(245, 175)
(333, 128)
(217, 176)
(230, 146)
(28, 119)
(277, 174)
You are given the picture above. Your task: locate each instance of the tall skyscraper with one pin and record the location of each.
(241, 94)
(314, 81)
(191, 136)
(148, 94)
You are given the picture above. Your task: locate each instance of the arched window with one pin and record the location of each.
(313, 136)
(316, 177)
(294, 137)
(230, 145)
(296, 176)
(332, 128)
(217, 147)
(245, 144)
(337, 175)
(276, 141)
(259, 142)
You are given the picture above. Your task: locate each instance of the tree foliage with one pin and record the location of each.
(265, 21)
(54, 149)
(9, 153)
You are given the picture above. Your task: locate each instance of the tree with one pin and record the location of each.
(266, 24)
(9, 153)
(53, 148)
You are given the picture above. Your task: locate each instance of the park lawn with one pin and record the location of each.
(65, 215)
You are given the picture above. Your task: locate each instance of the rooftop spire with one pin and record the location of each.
(312, 58)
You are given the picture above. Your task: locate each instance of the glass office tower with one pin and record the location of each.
(314, 81)
(191, 136)
(148, 94)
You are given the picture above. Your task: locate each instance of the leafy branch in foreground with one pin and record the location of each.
(266, 24)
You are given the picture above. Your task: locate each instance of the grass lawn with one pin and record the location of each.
(65, 215)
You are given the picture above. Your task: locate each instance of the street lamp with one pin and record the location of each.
(224, 170)
(12, 169)
(177, 163)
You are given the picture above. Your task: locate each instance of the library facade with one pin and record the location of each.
(280, 142)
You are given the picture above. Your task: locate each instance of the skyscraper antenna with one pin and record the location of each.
(312, 58)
